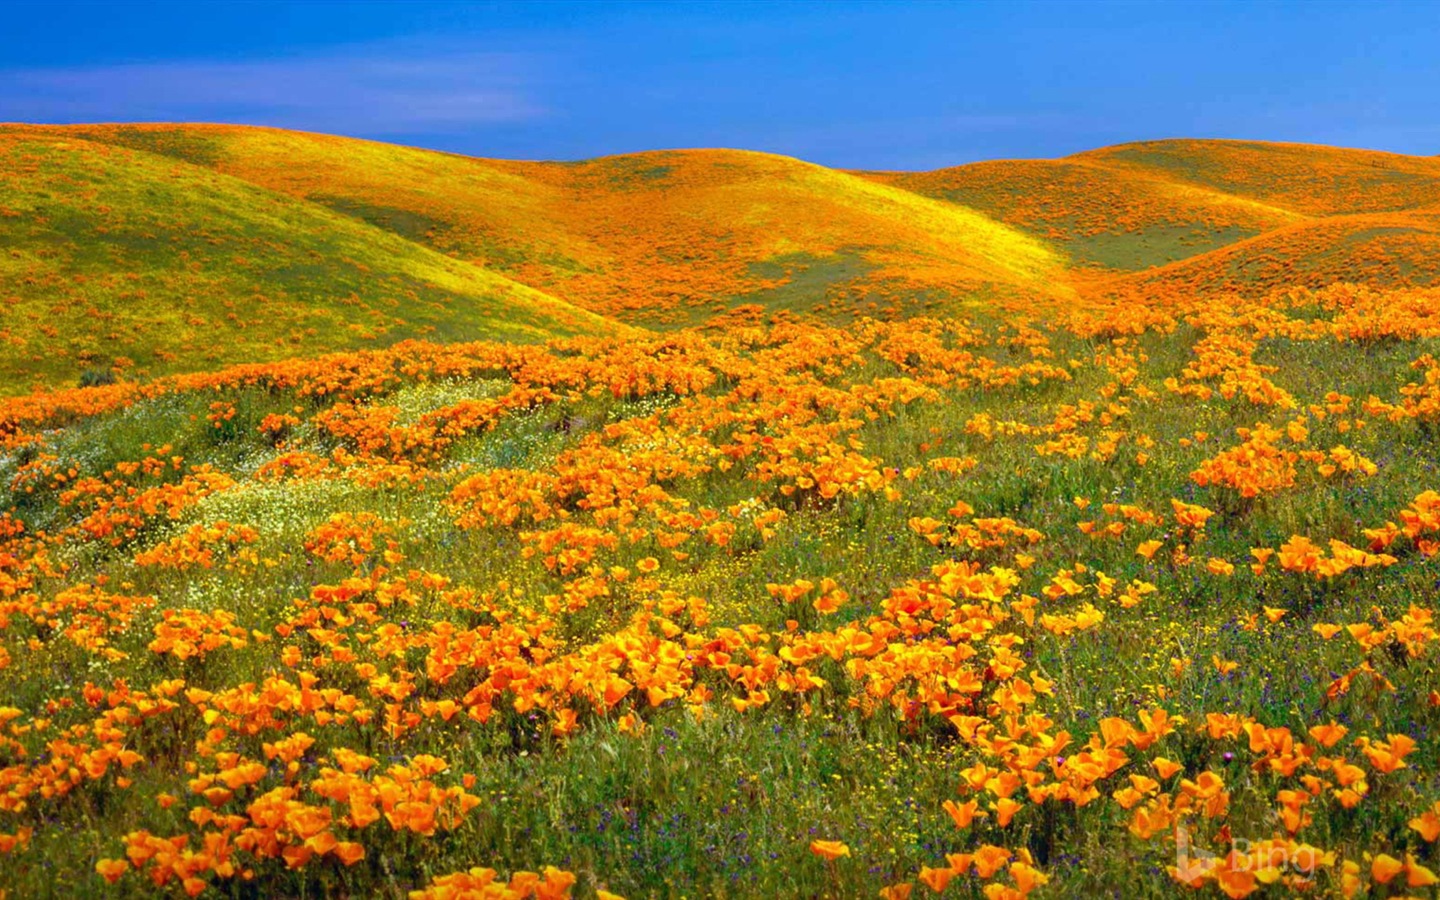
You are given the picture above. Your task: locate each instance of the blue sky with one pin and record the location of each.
(863, 85)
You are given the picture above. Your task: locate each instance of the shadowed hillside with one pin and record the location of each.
(1104, 217)
(1307, 178)
(1247, 216)
(1393, 249)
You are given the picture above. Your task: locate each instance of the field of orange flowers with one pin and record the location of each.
(1125, 600)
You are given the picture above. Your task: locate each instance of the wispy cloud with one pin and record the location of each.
(375, 90)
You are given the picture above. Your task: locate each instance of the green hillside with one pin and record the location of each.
(122, 258)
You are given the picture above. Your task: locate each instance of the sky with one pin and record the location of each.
(854, 85)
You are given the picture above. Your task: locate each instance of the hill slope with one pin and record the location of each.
(171, 247)
(1306, 178)
(118, 255)
(1101, 216)
(1390, 249)
(1245, 214)
(663, 237)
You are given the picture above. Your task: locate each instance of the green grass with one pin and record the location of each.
(137, 253)
(1156, 246)
(725, 805)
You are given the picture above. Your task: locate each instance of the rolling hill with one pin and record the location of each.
(658, 238)
(1306, 178)
(1388, 249)
(119, 257)
(1228, 215)
(165, 248)
(1105, 217)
